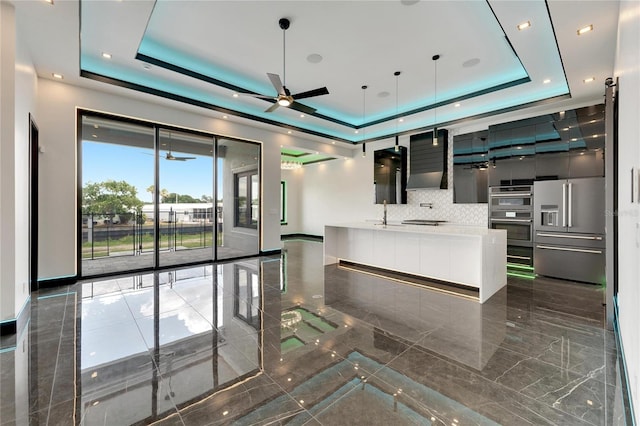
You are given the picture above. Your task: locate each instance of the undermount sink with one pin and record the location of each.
(427, 222)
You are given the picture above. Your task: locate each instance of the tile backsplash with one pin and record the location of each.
(442, 202)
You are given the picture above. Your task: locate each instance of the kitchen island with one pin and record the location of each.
(463, 256)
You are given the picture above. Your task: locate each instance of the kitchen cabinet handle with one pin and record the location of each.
(510, 220)
(564, 205)
(633, 184)
(511, 194)
(518, 257)
(570, 203)
(574, 237)
(570, 249)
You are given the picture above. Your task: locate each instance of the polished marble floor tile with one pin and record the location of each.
(287, 340)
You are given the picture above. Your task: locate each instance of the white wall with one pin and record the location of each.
(627, 68)
(293, 182)
(26, 92)
(18, 89)
(342, 191)
(57, 103)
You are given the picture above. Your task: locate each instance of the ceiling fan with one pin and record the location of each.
(285, 98)
(170, 156)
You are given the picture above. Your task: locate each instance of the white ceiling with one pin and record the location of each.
(236, 43)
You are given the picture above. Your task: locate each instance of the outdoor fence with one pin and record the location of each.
(130, 234)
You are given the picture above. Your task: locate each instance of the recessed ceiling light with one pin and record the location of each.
(58, 76)
(457, 105)
(595, 136)
(146, 66)
(471, 62)
(592, 121)
(333, 142)
(225, 117)
(355, 131)
(574, 139)
(94, 136)
(524, 25)
(400, 119)
(589, 80)
(49, 1)
(95, 126)
(547, 81)
(106, 55)
(235, 95)
(289, 132)
(301, 115)
(584, 30)
(314, 58)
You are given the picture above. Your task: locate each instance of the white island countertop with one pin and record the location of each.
(472, 256)
(442, 228)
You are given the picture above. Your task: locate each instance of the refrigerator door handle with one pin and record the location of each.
(569, 249)
(570, 202)
(564, 205)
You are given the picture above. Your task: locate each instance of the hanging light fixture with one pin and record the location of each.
(364, 129)
(290, 165)
(435, 99)
(397, 146)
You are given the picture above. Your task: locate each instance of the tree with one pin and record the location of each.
(110, 196)
(172, 197)
(151, 189)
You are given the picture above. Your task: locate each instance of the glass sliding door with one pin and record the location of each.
(238, 195)
(117, 167)
(185, 195)
(153, 196)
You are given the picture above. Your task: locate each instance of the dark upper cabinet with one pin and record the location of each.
(470, 163)
(390, 175)
(567, 144)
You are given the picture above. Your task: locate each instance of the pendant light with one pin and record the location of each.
(364, 129)
(435, 99)
(397, 146)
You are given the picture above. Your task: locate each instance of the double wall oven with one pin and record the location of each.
(511, 209)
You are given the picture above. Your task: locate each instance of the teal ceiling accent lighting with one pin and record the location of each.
(198, 62)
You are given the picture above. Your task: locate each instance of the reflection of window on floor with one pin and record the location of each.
(299, 327)
(247, 300)
(247, 201)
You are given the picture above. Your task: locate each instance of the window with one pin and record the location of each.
(247, 199)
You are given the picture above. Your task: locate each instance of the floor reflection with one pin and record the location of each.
(285, 340)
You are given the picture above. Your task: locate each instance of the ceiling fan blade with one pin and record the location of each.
(311, 93)
(184, 158)
(277, 83)
(255, 95)
(302, 108)
(272, 107)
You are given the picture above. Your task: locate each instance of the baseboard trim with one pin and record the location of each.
(57, 282)
(270, 252)
(306, 237)
(627, 401)
(12, 325)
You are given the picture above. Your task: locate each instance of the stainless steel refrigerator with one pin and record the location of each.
(569, 229)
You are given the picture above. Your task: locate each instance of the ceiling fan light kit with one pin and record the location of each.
(284, 97)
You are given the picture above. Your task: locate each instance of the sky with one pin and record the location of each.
(101, 162)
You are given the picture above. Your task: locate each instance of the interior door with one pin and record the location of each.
(550, 205)
(585, 205)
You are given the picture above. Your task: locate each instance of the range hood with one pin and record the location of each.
(428, 165)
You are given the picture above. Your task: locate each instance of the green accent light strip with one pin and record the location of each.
(515, 274)
(518, 266)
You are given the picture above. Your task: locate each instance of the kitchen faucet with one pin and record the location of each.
(384, 216)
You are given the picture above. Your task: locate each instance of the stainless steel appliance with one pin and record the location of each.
(569, 229)
(511, 209)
